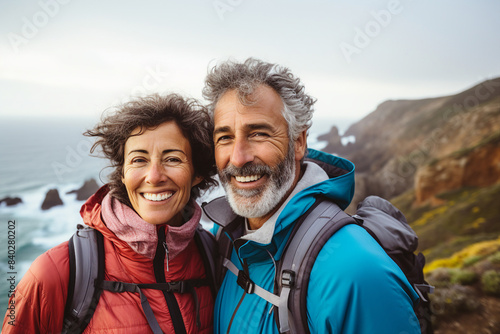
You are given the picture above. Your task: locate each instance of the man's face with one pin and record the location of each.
(258, 164)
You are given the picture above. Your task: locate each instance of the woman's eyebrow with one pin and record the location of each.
(163, 152)
(173, 150)
(137, 151)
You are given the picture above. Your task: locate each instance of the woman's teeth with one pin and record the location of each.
(157, 197)
(249, 178)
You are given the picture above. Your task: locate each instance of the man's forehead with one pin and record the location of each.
(263, 102)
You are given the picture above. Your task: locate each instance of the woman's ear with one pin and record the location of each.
(197, 180)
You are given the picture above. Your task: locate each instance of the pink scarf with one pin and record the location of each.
(141, 236)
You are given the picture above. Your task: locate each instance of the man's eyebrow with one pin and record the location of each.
(222, 129)
(260, 126)
(252, 126)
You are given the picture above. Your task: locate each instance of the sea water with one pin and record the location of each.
(37, 155)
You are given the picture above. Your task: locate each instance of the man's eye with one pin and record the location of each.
(260, 134)
(222, 139)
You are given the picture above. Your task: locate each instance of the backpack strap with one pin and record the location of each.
(180, 287)
(208, 251)
(86, 270)
(308, 237)
(249, 286)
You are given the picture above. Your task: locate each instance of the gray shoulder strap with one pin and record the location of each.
(306, 241)
(86, 259)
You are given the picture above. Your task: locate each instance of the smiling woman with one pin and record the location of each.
(158, 173)
(161, 150)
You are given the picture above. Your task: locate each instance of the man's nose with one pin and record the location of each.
(242, 153)
(156, 173)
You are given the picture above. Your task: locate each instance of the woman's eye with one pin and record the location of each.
(173, 161)
(138, 160)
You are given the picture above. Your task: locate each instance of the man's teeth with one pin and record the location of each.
(249, 178)
(157, 197)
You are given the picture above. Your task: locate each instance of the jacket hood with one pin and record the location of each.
(91, 215)
(339, 188)
(91, 209)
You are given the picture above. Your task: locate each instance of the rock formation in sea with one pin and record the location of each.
(84, 192)
(11, 201)
(52, 199)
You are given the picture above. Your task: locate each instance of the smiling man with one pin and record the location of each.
(261, 117)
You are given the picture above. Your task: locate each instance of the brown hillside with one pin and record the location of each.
(477, 166)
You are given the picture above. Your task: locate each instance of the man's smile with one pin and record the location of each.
(248, 178)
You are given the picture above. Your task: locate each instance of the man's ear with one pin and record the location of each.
(301, 146)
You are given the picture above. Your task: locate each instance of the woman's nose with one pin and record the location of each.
(156, 174)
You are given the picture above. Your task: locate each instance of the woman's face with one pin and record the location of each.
(158, 173)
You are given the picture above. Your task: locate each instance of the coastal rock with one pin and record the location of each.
(474, 167)
(333, 139)
(51, 199)
(11, 201)
(87, 190)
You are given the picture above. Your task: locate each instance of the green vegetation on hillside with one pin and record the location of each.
(467, 216)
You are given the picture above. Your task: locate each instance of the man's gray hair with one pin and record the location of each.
(247, 76)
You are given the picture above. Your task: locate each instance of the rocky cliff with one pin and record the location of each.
(407, 144)
(477, 166)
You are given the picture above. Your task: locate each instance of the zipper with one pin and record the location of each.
(166, 252)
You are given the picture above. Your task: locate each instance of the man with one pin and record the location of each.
(261, 117)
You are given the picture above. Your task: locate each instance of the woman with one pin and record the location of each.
(162, 155)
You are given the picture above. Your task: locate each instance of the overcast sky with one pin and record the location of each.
(74, 58)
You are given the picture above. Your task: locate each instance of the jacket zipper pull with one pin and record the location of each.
(166, 252)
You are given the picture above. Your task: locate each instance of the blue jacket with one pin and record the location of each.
(354, 286)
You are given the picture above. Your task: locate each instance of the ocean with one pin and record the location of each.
(41, 154)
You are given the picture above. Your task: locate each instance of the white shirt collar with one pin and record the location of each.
(313, 174)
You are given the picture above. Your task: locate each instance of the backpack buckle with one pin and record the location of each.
(245, 282)
(179, 287)
(288, 278)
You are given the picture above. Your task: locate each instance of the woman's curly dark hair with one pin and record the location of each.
(148, 113)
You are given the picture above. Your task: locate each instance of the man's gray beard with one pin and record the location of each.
(253, 203)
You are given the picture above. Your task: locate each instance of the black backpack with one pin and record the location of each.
(86, 280)
(384, 222)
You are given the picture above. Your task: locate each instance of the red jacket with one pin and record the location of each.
(40, 296)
